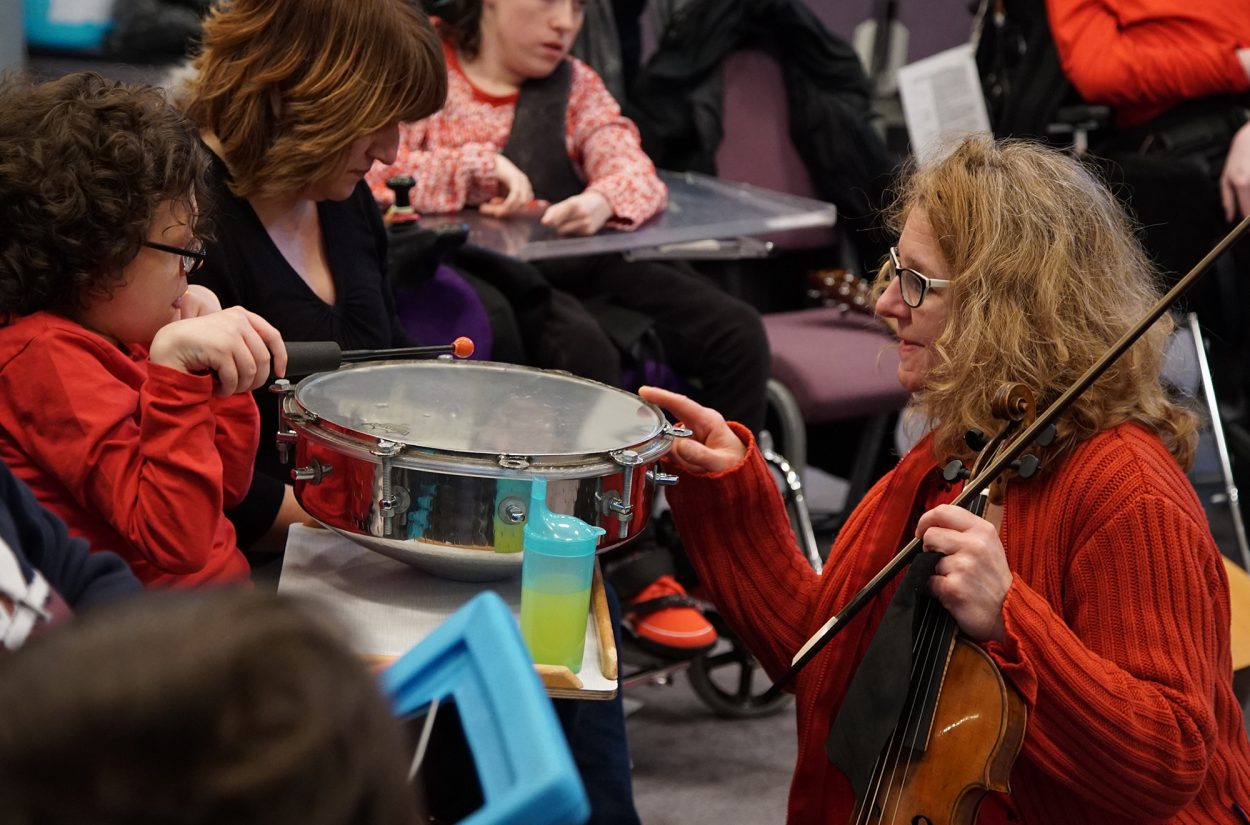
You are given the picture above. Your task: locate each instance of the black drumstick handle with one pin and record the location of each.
(307, 357)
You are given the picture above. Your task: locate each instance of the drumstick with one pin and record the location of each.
(307, 357)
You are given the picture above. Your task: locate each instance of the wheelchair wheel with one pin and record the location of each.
(731, 682)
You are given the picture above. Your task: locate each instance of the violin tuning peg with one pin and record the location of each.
(1047, 436)
(975, 439)
(954, 470)
(1026, 466)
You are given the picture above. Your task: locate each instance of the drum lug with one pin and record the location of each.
(285, 439)
(626, 458)
(660, 479)
(313, 472)
(513, 462)
(677, 432)
(397, 504)
(512, 511)
(611, 503)
(285, 436)
(395, 499)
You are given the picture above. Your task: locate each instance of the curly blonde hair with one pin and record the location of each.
(288, 86)
(1047, 274)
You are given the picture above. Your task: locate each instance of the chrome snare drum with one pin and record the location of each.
(429, 462)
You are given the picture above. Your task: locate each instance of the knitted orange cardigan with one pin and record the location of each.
(1116, 628)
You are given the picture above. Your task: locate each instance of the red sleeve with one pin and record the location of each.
(746, 556)
(1127, 55)
(236, 436)
(1127, 672)
(609, 151)
(145, 461)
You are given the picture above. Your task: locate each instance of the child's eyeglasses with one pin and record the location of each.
(192, 259)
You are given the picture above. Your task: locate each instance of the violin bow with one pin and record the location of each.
(1006, 457)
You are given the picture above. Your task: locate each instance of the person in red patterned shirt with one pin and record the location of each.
(527, 128)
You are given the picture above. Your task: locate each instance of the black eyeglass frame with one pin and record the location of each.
(926, 283)
(192, 259)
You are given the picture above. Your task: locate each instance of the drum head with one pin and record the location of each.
(480, 407)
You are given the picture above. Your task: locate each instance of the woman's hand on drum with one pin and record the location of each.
(972, 579)
(237, 345)
(713, 447)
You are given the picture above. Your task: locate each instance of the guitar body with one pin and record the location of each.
(978, 727)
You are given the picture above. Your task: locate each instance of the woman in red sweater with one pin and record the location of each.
(1102, 596)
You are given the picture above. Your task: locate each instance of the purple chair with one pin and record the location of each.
(443, 308)
(756, 148)
(830, 365)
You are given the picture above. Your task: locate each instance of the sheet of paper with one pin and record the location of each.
(942, 102)
(80, 11)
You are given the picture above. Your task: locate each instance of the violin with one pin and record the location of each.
(962, 725)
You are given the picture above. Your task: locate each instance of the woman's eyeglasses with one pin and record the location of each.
(912, 285)
(192, 259)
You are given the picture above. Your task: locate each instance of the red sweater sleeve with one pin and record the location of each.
(145, 462)
(236, 434)
(1143, 59)
(747, 557)
(1120, 685)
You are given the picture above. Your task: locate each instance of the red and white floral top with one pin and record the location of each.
(451, 154)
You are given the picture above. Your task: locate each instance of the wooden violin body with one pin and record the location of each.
(962, 725)
(977, 729)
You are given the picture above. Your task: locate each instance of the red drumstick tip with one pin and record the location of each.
(462, 347)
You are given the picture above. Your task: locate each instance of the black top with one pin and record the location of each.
(245, 268)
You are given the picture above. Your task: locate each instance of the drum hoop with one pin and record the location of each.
(485, 465)
(474, 462)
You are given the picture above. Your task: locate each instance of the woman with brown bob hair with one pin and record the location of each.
(220, 706)
(287, 87)
(1096, 589)
(297, 99)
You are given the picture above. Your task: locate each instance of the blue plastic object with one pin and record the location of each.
(556, 570)
(477, 660)
(73, 25)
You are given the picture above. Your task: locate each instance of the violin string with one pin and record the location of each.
(926, 655)
(887, 760)
(889, 756)
(927, 651)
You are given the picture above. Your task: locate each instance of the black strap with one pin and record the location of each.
(878, 690)
(663, 602)
(536, 143)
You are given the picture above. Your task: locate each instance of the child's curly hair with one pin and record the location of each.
(84, 165)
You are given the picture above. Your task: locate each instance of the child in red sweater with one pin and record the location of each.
(124, 396)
